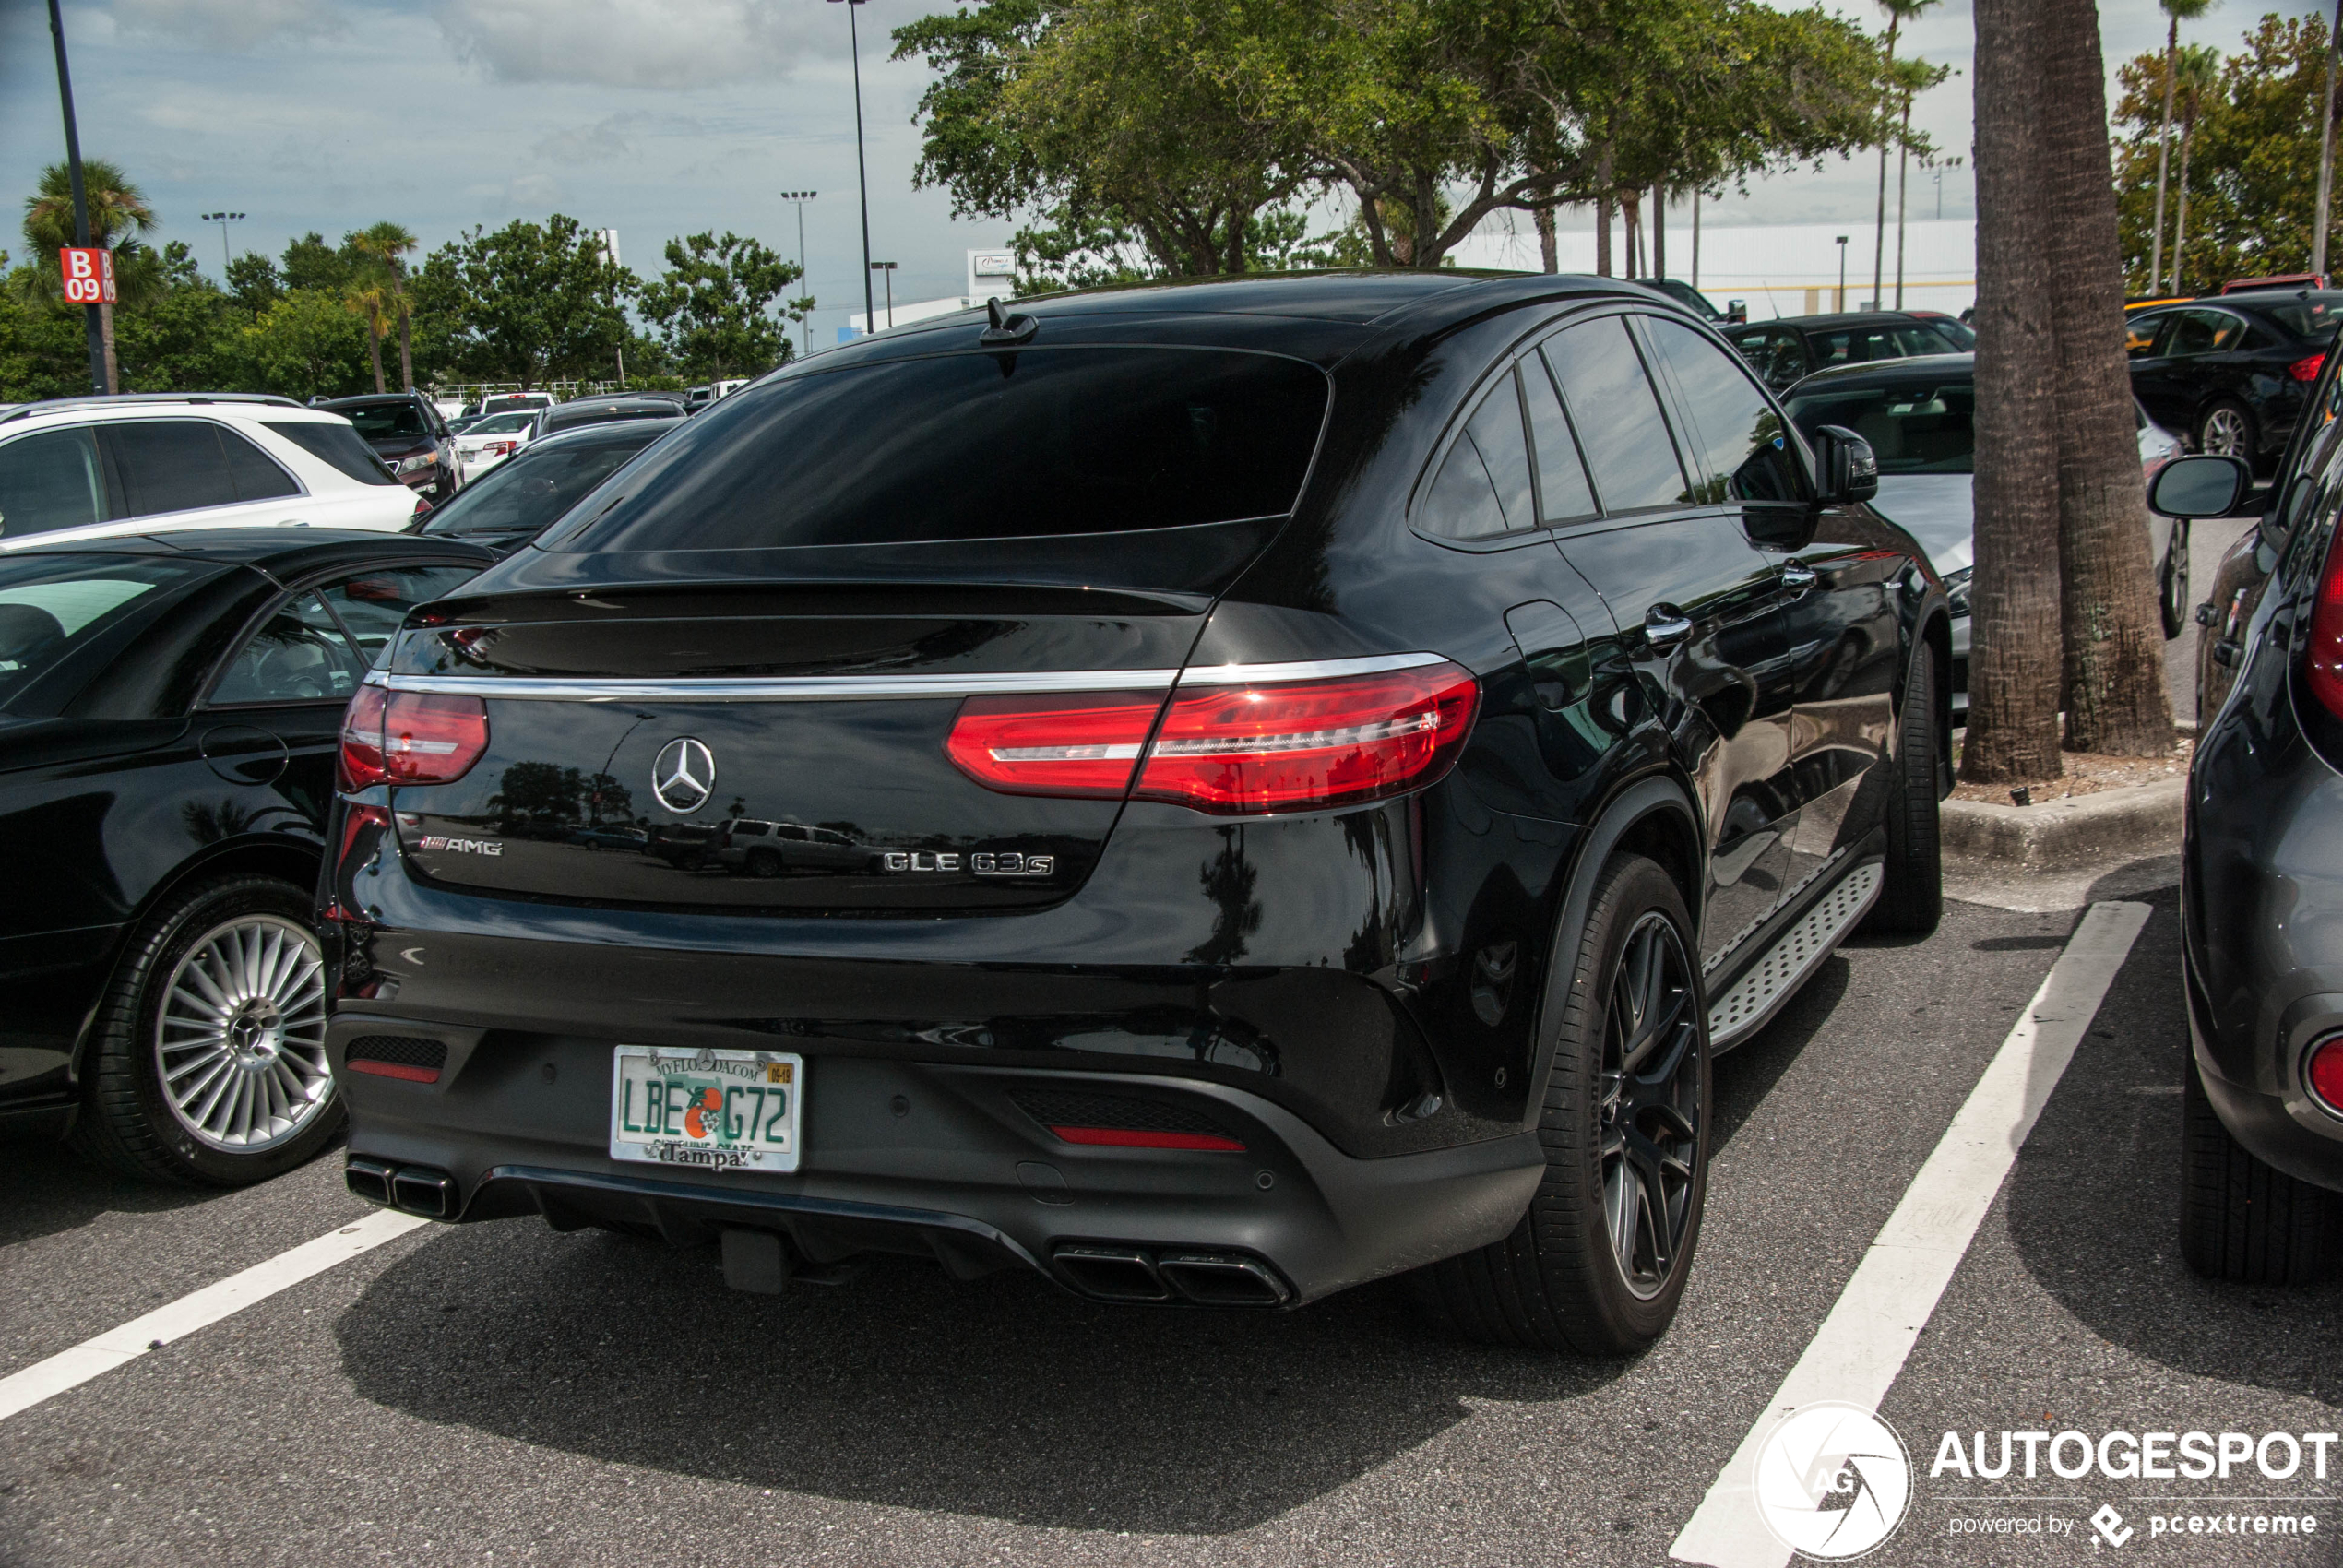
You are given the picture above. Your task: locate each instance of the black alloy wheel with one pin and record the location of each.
(1599, 1263)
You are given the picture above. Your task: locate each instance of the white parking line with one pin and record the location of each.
(1860, 1348)
(69, 1369)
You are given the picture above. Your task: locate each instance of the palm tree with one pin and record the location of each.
(2196, 70)
(1898, 13)
(1909, 79)
(2179, 11)
(118, 213)
(387, 244)
(369, 296)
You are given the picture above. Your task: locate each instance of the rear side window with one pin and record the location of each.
(532, 490)
(256, 474)
(337, 444)
(50, 605)
(1737, 446)
(170, 466)
(1042, 441)
(1620, 428)
(50, 481)
(1563, 491)
(1483, 487)
(298, 654)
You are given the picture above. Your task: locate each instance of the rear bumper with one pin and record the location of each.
(940, 1160)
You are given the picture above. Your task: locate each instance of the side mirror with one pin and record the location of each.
(1850, 467)
(1736, 311)
(2205, 486)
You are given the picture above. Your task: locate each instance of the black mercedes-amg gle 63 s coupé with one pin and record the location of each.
(1216, 792)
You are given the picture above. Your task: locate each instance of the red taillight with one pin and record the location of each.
(422, 505)
(2306, 369)
(1295, 746)
(1080, 745)
(1229, 749)
(2325, 1070)
(362, 740)
(410, 737)
(501, 448)
(2322, 662)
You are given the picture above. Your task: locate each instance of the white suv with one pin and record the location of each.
(88, 468)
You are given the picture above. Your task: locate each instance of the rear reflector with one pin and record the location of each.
(1233, 749)
(1134, 1138)
(407, 1070)
(2327, 1073)
(410, 738)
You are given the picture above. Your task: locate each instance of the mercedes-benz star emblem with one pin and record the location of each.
(683, 775)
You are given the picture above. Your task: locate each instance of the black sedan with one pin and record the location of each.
(525, 493)
(1793, 347)
(1253, 859)
(408, 434)
(603, 409)
(2261, 886)
(168, 713)
(2232, 374)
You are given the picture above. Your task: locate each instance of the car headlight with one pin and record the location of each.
(417, 463)
(1956, 588)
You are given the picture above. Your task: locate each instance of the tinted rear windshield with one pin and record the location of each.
(385, 419)
(535, 487)
(978, 445)
(338, 445)
(50, 605)
(2312, 315)
(1915, 428)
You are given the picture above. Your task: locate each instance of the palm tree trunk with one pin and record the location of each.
(1879, 238)
(1632, 204)
(2180, 223)
(405, 346)
(1659, 231)
(2163, 155)
(105, 337)
(2013, 669)
(2117, 701)
(1903, 179)
(1602, 214)
(375, 349)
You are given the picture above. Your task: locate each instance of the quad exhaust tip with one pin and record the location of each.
(1130, 1274)
(413, 1189)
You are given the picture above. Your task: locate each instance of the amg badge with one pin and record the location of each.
(461, 846)
(984, 864)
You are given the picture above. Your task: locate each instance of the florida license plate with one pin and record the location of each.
(707, 1109)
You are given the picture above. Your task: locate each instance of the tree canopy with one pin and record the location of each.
(714, 305)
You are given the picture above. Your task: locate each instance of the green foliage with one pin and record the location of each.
(530, 303)
(254, 283)
(2252, 158)
(309, 344)
(714, 305)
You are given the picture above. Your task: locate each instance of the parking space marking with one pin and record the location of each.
(1861, 1345)
(69, 1369)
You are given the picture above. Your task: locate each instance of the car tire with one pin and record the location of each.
(1911, 892)
(1559, 1282)
(764, 864)
(2241, 1220)
(129, 1119)
(2226, 428)
(2171, 582)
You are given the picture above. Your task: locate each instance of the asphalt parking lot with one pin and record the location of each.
(502, 1393)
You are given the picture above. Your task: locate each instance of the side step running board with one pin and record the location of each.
(1795, 955)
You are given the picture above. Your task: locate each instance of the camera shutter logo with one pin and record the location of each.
(1833, 1481)
(683, 775)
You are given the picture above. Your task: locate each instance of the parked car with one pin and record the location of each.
(1915, 414)
(699, 397)
(2233, 375)
(93, 468)
(488, 439)
(1788, 350)
(506, 509)
(1283, 870)
(784, 849)
(1698, 303)
(2274, 280)
(168, 715)
(2262, 1151)
(600, 410)
(410, 438)
(511, 402)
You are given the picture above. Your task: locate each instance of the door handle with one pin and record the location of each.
(1797, 577)
(1665, 626)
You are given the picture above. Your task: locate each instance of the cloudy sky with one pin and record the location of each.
(655, 117)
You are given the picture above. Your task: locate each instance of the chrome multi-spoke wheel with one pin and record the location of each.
(2227, 432)
(240, 1035)
(1649, 1106)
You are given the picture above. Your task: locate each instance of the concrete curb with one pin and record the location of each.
(2126, 823)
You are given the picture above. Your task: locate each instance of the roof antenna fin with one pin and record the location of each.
(1007, 329)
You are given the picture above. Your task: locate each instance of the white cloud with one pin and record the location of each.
(612, 136)
(231, 26)
(642, 43)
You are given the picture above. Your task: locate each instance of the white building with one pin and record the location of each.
(990, 272)
(1787, 270)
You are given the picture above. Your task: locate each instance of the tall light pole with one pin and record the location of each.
(861, 167)
(223, 219)
(1842, 272)
(888, 267)
(804, 327)
(80, 197)
(2326, 154)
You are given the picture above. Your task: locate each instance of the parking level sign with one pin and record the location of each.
(88, 273)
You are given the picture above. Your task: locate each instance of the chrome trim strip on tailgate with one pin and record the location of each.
(835, 688)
